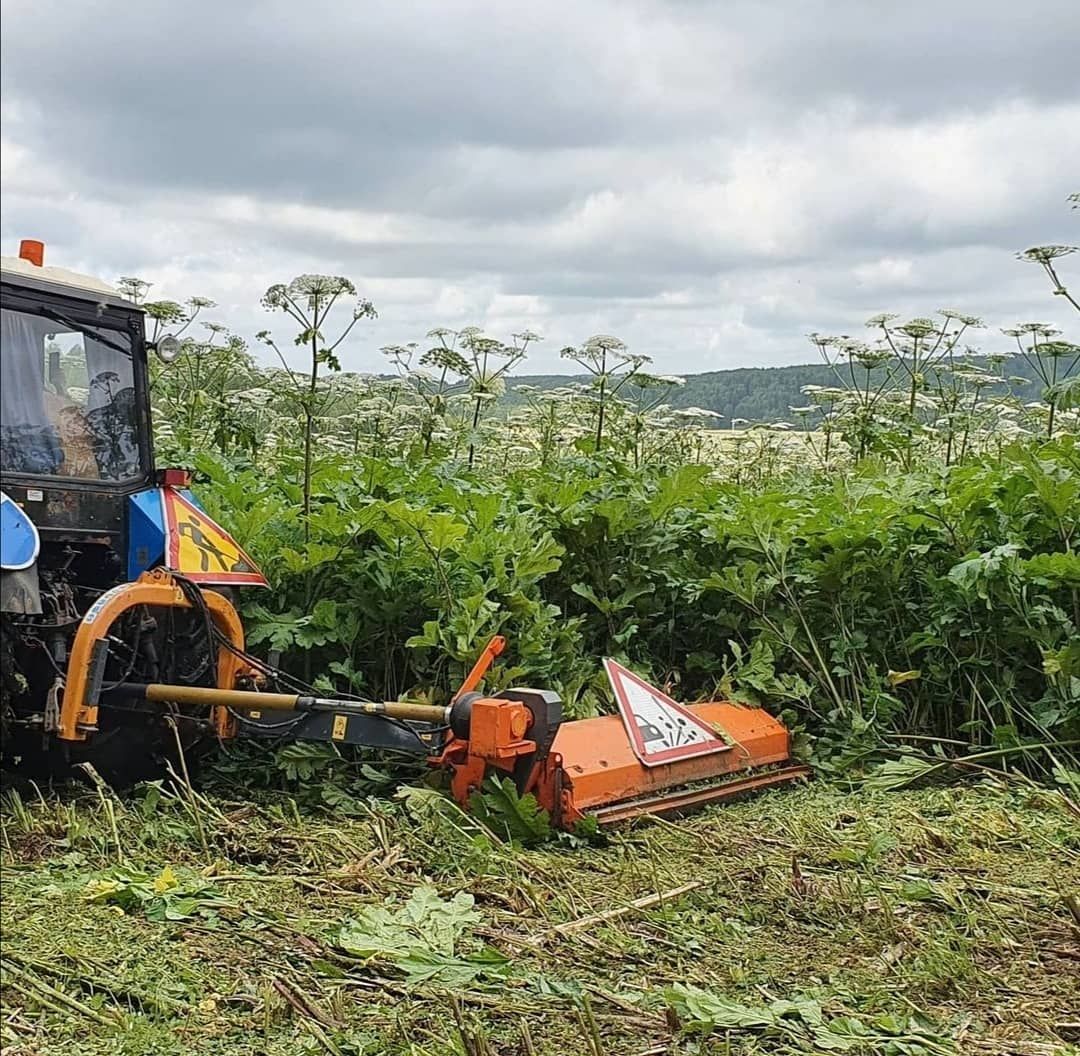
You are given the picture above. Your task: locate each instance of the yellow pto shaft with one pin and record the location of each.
(245, 699)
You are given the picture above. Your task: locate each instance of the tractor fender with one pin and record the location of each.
(20, 545)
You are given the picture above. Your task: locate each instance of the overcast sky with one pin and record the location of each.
(709, 181)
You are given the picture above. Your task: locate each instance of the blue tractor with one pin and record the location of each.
(111, 572)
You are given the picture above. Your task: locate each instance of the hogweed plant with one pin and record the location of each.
(1054, 361)
(612, 367)
(309, 301)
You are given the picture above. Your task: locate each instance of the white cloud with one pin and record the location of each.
(885, 273)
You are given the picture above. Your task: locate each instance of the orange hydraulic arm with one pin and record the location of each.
(480, 668)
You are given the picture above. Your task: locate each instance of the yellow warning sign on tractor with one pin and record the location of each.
(199, 548)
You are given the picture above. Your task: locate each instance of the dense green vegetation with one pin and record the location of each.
(931, 602)
(903, 575)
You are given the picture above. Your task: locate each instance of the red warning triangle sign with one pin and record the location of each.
(660, 729)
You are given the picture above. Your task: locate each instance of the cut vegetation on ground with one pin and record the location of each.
(936, 921)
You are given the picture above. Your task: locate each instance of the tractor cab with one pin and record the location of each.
(74, 423)
(73, 390)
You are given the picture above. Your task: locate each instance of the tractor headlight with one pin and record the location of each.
(168, 348)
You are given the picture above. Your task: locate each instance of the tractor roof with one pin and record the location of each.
(60, 280)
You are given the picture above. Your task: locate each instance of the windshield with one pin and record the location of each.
(67, 399)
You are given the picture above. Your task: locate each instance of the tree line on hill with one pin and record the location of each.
(766, 394)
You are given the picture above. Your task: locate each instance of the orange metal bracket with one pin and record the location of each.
(157, 588)
(480, 668)
(497, 730)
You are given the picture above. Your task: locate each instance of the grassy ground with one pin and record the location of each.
(807, 920)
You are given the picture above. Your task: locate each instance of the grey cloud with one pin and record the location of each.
(919, 58)
(313, 103)
(709, 180)
(323, 102)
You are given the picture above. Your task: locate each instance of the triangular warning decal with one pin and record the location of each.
(199, 548)
(660, 730)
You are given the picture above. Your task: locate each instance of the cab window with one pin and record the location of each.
(67, 400)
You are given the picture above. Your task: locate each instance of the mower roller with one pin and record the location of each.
(119, 628)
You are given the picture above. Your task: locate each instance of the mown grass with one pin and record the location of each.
(943, 920)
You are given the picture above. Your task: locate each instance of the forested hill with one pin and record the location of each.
(767, 394)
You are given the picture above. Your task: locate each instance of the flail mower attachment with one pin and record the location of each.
(654, 757)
